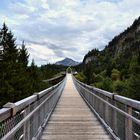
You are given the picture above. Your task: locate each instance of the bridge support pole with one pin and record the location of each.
(27, 125)
(24, 127)
(128, 124)
(115, 119)
(107, 112)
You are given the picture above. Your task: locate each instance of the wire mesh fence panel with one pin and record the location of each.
(10, 123)
(136, 127)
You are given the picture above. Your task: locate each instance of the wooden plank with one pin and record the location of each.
(72, 119)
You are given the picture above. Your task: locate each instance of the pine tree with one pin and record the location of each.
(17, 79)
(34, 77)
(23, 88)
(9, 46)
(23, 55)
(8, 63)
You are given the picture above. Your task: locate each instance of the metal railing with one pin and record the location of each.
(119, 115)
(26, 119)
(55, 80)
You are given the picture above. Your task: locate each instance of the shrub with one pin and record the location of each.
(115, 75)
(81, 77)
(134, 87)
(98, 84)
(107, 84)
(97, 78)
(120, 87)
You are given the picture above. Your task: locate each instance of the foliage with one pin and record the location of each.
(23, 56)
(120, 87)
(115, 75)
(81, 77)
(50, 70)
(9, 64)
(97, 78)
(69, 70)
(116, 68)
(134, 87)
(134, 80)
(107, 84)
(88, 71)
(17, 79)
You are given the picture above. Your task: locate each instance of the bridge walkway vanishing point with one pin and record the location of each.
(72, 119)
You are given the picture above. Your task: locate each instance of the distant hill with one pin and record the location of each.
(123, 46)
(67, 62)
(118, 53)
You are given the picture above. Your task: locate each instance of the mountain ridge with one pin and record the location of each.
(129, 39)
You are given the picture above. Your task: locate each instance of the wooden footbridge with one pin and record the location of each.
(72, 119)
(71, 110)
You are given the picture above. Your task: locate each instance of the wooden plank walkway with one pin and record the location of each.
(72, 119)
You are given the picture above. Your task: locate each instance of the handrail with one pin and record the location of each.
(112, 106)
(117, 113)
(127, 101)
(54, 78)
(6, 111)
(37, 108)
(13, 131)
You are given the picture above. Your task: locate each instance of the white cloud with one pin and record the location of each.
(40, 54)
(68, 28)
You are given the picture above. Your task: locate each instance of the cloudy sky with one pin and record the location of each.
(54, 29)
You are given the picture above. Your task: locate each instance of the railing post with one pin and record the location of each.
(27, 125)
(115, 118)
(13, 110)
(107, 112)
(128, 124)
(36, 118)
(24, 127)
(12, 106)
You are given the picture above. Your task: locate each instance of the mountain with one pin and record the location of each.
(67, 62)
(118, 53)
(117, 67)
(125, 44)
